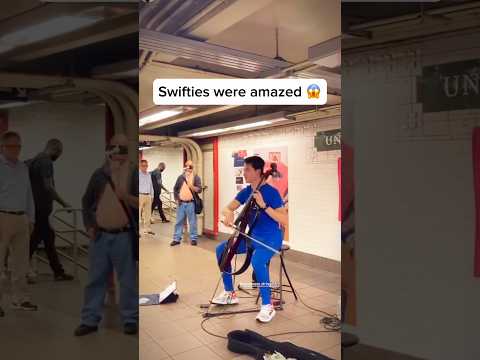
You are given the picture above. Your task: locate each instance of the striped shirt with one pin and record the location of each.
(15, 188)
(145, 185)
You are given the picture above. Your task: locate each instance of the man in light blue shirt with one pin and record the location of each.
(17, 215)
(145, 196)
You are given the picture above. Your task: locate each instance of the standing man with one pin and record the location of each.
(187, 184)
(109, 205)
(17, 216)
(44, 194)
(157, 187)
(146, 193)
(264, 220)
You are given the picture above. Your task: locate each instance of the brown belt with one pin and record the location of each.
(115, 231)
(12, 212)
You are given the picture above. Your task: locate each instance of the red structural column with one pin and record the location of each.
(109, 125)
(3, 122)
(339, 168)
(109, 132)
(216, 176)
(476, 179)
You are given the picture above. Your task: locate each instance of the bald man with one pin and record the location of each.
(109, 207)
(186, 185)
(45, 194)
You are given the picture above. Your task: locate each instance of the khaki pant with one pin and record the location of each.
(145, 212)
(15, 237)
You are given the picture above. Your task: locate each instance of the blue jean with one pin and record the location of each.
(186, 210)
(108, 252)
(260, 258)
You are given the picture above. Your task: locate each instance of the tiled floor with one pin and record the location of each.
(173, 331)
(48, 333)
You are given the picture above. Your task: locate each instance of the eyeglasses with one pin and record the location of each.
(117, 149)
(12, 146)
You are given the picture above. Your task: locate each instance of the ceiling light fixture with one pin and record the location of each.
(237, 126)
(158, 116)
(249, 126)
(208, 132)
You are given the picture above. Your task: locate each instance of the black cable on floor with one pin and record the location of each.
(330, 322)
(314, 309)
(208, 332)
(270, 335)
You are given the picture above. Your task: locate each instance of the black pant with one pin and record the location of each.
(157, 204)
(42, 231)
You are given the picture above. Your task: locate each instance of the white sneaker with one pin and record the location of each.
(226, 298)
(266, 314)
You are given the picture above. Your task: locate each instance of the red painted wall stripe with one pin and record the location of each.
(476, 179)
(3, 122)
(216, 176)
(339, 166)
(109, 125)
(109, 132)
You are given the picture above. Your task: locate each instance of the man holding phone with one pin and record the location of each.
(109, 207)
(187, 184)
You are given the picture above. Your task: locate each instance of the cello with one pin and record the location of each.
(240, 230)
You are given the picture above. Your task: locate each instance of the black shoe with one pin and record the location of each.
(25, 305)
(130, 329)
(194, 243)
(83, 330)
(63, 277)
(173, 243)
(2, 313)
(165, 221)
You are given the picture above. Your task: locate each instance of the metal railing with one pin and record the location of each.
(72, 228)
(169, 203)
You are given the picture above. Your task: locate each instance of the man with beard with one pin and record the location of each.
(109, 207)
(44, 193)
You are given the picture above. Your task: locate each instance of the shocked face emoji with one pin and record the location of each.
(313, 91)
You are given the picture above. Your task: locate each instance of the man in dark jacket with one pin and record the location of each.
(45, 194)
(110, 205)
(157, 189)
(187, 184)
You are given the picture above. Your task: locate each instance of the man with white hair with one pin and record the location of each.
(17, 216)
(109, 207)
(146, 194)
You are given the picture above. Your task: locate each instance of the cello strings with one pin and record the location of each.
(257, 241)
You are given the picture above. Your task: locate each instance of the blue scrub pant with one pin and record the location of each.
(260, 258)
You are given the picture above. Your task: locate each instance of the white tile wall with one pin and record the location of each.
(82, 131)
(313, 183)
(173, 159)
(414, 221)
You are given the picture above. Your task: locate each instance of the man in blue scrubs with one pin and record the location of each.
(265, 219)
